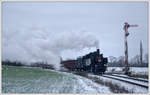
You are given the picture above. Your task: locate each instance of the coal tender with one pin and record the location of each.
(93, 62)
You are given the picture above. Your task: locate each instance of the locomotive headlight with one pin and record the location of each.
(105, 64)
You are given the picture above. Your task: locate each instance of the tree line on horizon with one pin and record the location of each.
(133, 62)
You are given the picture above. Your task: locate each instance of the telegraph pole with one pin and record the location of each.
(126, 34)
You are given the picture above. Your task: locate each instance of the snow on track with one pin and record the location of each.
(131, 88)
(130, 80)
(125, 76)
(127, 81)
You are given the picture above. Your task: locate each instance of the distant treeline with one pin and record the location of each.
(117, 64)
(12, 63)
(43, 65)
(134, 62)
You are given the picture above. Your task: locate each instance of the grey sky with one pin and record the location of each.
(105, 20)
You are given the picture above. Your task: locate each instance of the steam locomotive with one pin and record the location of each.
(93, 62)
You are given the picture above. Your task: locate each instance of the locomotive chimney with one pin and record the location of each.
(98, 51)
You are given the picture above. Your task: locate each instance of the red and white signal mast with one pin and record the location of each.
(126, 26)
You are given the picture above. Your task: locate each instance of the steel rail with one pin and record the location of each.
(126, 81)
(130, 78)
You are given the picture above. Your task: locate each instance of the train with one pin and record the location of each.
(94, 62)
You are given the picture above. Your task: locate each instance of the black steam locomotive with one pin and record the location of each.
(93, 62)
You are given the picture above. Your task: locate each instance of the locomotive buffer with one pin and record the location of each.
(126, 34)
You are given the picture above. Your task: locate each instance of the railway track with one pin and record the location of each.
(130, 78)
(127, 80)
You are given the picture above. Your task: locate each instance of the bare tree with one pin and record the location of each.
(146, 57)
(137, 59)
(141, 52)
(121, 61)
(112, 59)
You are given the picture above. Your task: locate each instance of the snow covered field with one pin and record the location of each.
(138, 70)
(134, 70)
(114, 69)
(36, 80)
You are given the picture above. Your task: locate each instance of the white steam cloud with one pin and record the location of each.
(35, 44)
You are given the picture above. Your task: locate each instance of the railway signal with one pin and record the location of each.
(126, 26)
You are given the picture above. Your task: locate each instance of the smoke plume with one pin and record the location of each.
(36, 44)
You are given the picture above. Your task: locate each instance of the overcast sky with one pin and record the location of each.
(103, 20)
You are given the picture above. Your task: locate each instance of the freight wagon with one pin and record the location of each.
(69, 64)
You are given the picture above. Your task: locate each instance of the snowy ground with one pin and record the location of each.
(36, 80)
(134, 70)
(138, 70)
(131, 80)
(114, 69)
(129, 87)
